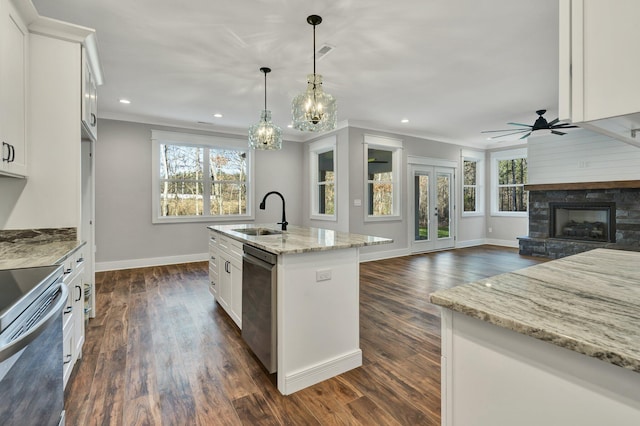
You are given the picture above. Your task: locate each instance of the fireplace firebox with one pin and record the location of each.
(586, 221)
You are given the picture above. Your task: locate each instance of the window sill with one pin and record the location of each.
(326, 218)
(382, 218)
(472, 214)
(201, 219)
(510, 214)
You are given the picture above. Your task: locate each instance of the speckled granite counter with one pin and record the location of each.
(589, 303)
(36, 247)
(299, 239)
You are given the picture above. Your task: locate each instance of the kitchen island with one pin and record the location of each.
(317, 297)
(555, 344)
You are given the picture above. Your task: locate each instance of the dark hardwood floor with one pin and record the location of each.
(161, 352)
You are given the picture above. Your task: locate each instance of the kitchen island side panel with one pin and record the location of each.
(318, 320)
(495, 376)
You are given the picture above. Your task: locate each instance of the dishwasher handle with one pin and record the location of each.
(30, 335)
(258, 262)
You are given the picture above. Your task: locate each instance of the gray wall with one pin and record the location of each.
(124, 232)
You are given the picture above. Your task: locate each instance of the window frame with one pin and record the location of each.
(496, 157)
(479, 159)
(315, 149)
(395, 146)
(159, 137)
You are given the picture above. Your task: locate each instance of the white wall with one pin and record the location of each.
(581, 156)
(125, 236)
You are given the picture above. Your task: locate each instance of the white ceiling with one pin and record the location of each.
(452, 67)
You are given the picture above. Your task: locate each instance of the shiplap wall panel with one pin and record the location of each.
(581, 156)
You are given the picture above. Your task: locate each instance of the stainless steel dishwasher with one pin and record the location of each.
(259, 305)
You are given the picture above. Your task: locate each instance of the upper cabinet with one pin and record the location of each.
(14, 43)
(89, 99)
(599, 66)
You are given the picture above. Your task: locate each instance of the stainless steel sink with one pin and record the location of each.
(257, 231)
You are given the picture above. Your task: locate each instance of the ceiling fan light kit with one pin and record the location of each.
(540, 124)
(264, 134)
(314, 110)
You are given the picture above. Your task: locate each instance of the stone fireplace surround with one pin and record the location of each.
(625, 195)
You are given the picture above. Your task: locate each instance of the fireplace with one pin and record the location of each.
(586, 221)
(570, 218)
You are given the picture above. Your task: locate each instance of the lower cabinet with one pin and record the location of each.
(225, 274)
(73, 314)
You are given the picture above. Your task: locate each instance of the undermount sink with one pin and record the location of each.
(257, 231)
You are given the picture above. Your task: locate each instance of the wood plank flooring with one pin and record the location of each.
(161, 352)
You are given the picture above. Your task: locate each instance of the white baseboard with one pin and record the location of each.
(316, 374)
(504, 243)
(152, 261)
(471, 243)
(379, 255)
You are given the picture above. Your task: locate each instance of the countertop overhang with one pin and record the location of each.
(297, 239)
(588, 303)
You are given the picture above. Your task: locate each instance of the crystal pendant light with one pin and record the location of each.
(265, 134)
(314, 110)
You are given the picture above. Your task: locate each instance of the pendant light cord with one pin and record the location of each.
(265, 90)
(314, 54)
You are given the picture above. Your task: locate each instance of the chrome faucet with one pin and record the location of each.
(284, 222)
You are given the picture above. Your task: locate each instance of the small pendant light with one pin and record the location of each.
(265, 134)
(314, 110)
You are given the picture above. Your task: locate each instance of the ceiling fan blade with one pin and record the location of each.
(525, 136)
(520, 124)
(555, 132)
(504, 130)
(553, 122)
(564, 126)
(509, 134)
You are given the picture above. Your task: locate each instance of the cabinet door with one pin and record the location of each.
(89, 100)
(236, 292)
(77, 301)
(13, 90)
(224, 292)
(605, 63)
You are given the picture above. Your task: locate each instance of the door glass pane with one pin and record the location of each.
(444, 222)
(421, 195)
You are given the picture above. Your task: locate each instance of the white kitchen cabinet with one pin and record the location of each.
(73, 316)
(228, 264)
(213, 265)
(14, 45)
(89, 99)
(599, 65)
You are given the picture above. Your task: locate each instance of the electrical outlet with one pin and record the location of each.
(357, 202)
(323, 275)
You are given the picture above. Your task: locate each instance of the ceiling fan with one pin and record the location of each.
(540, 124)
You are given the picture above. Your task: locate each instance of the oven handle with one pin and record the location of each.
(17, 345)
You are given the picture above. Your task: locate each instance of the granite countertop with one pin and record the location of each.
(589, 303)
(297, 239)
(35, 247)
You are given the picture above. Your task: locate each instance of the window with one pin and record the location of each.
(382, 171)
(509, 175)
(200, 178)
(473, 175)
(323, 179)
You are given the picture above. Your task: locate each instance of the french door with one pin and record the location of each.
(432, 208)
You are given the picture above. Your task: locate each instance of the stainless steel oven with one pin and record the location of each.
(259, 305)
(31, 386)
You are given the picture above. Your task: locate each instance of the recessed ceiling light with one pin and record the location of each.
(217, 115)
(404, 120)
(290, 126)
(125, 101)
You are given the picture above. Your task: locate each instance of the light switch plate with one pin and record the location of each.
(323, 275)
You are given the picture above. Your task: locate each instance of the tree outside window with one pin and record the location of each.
(512, 176)
(196, 179)
(323, 178)
(326, 183)
(380, 182)
(470, 186)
